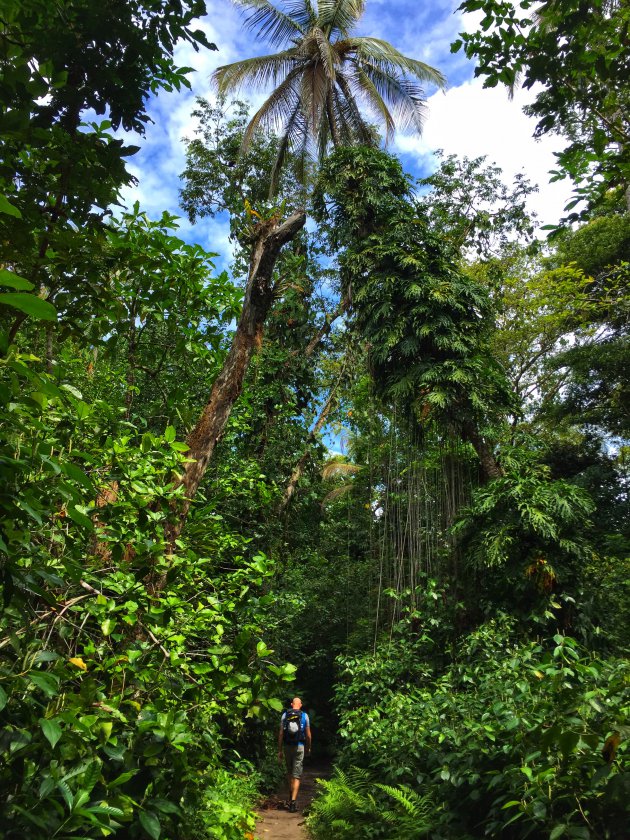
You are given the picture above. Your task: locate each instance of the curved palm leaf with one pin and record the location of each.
(277, 109)
(258, 71)
(364, 86)
(338, 17)
(404, 95)
(270, 23)
(383, 54)
(294, 138)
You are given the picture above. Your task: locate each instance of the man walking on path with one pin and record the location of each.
(294, 739)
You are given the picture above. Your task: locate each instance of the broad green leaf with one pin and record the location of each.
(91, 776)
(77, 474)
(275, 704)
(169, 434)
(45, 656)
(14, 281)
(30, 305)
(151, 824)
(80, 798)
(165, 806)
(79, 517)
(66, 793)
(8, 209)
(108, 626)
(51, 730)
(124, 777)
(72, 390)
(46, 682)
(3, 698)
(558, 831)
(105, 728)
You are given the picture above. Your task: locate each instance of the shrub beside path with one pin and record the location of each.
(276, 823)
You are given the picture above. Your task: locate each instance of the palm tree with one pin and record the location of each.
(321, 74)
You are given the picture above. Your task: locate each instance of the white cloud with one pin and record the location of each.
(471, 121)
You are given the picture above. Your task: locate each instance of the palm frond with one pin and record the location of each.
(277, 109)
(382, 54)
(313, 93)
(270, 23)
(334, 469)
(257, 72)
(404, 95)
(294, 134)
(326, 52)
(355, 127)
(339, 17)
(336, 494)
(323, 134)
(303, 12)
(375, 101)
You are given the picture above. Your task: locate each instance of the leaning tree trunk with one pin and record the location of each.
(268, 239)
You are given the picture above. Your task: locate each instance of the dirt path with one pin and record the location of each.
(276, 823)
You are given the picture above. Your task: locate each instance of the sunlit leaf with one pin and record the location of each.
(30, 305)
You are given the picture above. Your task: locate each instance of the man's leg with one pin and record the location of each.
(296, 774)
(288, 760)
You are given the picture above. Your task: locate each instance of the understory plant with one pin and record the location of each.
(124, 668)
(222, 805)
(352, 804)
(515, 738)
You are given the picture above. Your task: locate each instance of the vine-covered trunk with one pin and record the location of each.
(489, 465)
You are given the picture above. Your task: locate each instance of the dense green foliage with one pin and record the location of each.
(508, 736)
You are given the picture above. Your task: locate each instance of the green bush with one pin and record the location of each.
(509, 738)
(221, 805)
(115, 694)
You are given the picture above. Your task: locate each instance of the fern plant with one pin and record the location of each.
(352, 805)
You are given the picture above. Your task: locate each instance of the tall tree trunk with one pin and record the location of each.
(332, 125)
(268, 239)
(50, 339)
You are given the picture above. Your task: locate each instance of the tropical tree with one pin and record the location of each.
(320, 75)
(573, 55)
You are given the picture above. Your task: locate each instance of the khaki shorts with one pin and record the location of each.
(294, 757)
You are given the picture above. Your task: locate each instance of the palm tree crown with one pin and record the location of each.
(321, 73)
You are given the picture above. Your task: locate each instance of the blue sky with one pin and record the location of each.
(465, 120)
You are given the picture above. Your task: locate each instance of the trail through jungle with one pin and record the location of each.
(276, 822)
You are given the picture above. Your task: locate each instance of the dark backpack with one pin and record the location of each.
(293, 727)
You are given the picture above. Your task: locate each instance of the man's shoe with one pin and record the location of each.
(292, 806)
